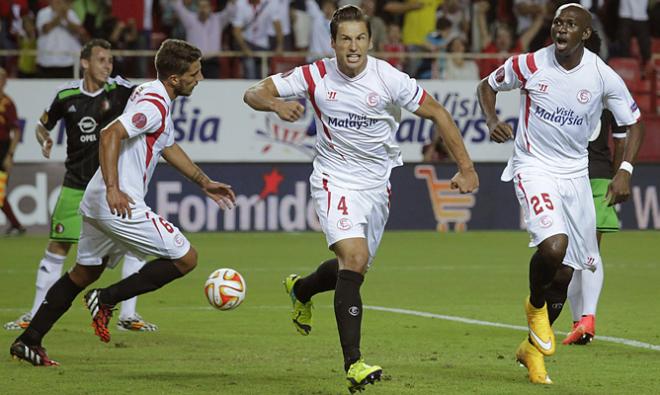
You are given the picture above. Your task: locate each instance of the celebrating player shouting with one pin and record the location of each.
(564, 87)
(115, 216)
(353, 96)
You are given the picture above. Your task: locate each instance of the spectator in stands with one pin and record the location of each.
(634, 22)
(501, 41)
(319, 42)
(251, 22)
(457, 67)
(378, 29)
(204, 30)
(437, 42)
(526, 11)
(10, 135)
(394, 44)
(419, 17)
(58, 42)
(91, 13)
(457, 12)
(284, 16)
(27, 41)
(122, 36)
(140, 13)
(300, 25)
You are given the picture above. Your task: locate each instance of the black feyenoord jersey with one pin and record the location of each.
(84, 115)
(600, 156)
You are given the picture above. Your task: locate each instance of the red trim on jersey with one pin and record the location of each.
(421, 99)
(520, 185)
(321, 66)
(528, 105)
(325, 187)
(156, 225)
(152, 137)
(156, 95)
(531, 64)
(516, 69)
(311, 87)
(389, 196)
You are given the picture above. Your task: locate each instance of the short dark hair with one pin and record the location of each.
(86, 51)
(174, 57)
(345, 14)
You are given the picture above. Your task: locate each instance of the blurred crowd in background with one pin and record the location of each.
(412, 35)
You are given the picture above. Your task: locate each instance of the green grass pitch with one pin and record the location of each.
(255, 349)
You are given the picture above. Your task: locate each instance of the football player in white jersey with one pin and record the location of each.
(115, 216)
(356, 99)
(563, 90)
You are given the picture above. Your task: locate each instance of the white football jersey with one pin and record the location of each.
(147, 121)
(356, 118)
(559, 109)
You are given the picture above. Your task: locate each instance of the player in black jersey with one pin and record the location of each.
(86, 106)
(584, 289)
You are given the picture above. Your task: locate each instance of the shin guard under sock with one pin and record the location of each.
(348, 313)
(321, 280)
(152, 276)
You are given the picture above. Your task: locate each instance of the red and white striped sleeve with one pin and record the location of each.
(147, 116)
(511, 75)
(291, 84)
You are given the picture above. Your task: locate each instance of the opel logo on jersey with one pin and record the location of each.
(373, 99)
(584, 96)
(87, 124)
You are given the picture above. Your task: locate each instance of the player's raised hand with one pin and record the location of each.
(119, 202)
(465, 181)
(221, 193)
(289, 111)
(500, 131)
(46, 146)
(618, 190)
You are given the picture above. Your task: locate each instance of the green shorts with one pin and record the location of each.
(606, 218)
(65, 223)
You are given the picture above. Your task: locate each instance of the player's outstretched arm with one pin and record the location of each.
(466, 180)
(220, 193)
(499, 131)
(109, 146)
(619, 189)
(264, 97)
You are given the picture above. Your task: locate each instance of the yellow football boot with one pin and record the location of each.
(540, 331)
(532, 359)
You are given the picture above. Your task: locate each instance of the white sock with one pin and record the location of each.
(575, 294)
(50, 270)
(131, 265)
(592, 283)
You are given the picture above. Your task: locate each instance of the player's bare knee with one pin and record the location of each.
(187, 262)
(83, 276)
(355, 261)
(58, 247)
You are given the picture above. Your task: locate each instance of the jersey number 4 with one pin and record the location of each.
(538, 206)
(342, 206)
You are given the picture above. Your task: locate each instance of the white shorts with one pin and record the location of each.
(345, 213)
(553, 206)
(145, 234)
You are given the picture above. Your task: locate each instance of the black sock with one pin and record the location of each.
(152, 276)
(323, 279)
(541, 274)
(348, 312)
(556, 292)
(55, 304)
